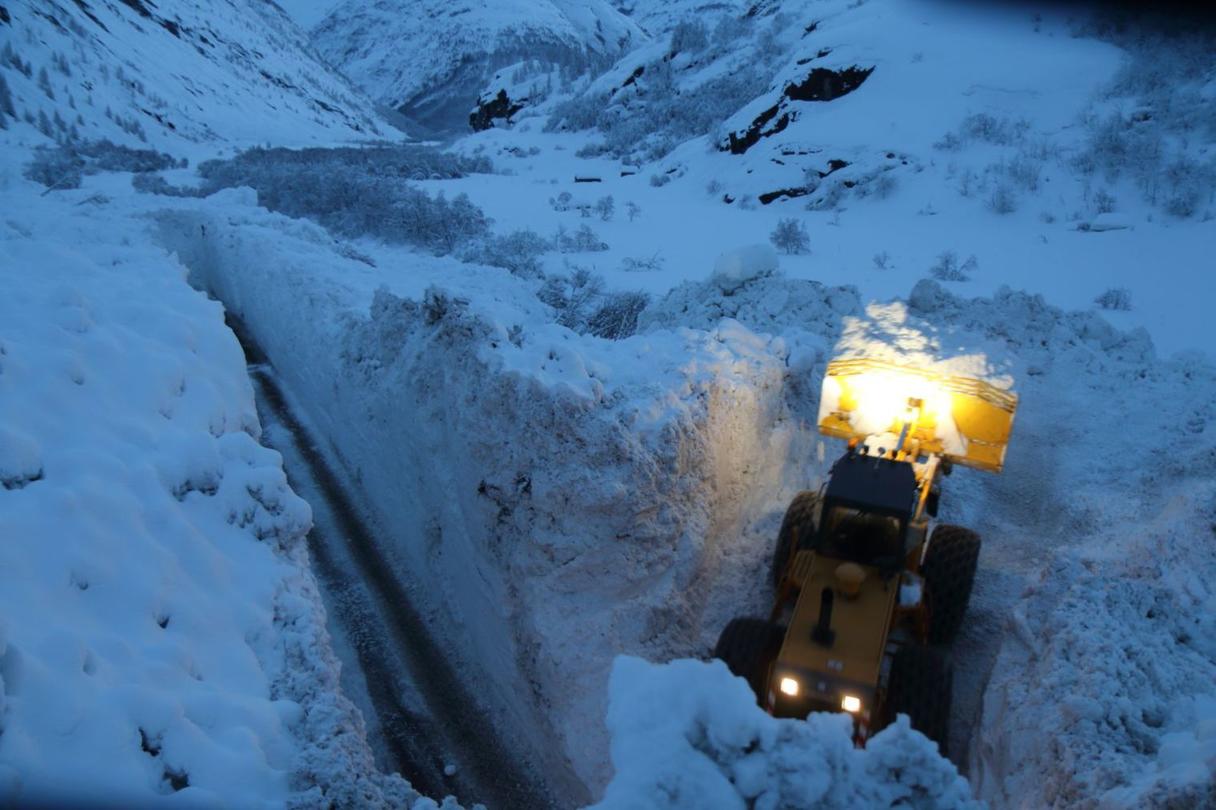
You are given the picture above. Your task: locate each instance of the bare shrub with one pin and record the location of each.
(1116, 299)
(947, 267)
(791, 237)
(581, 240)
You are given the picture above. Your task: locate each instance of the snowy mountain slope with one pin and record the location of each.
(657, 17)
(161, 637)
(430, 60)
(174, 73)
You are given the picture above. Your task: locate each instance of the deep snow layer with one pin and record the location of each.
(160, 632)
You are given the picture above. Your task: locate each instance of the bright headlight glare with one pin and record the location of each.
(851, 703)
(789, 686)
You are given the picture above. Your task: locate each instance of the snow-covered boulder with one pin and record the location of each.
(689, 734)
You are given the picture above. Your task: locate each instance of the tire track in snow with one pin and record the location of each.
(390, 638)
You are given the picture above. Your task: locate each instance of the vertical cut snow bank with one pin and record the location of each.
(559, 499)
(160, 633)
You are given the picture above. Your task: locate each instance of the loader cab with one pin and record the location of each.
(867, 505)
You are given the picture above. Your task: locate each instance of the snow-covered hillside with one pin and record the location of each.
(174, 72)
(573, 396)
(430, 60)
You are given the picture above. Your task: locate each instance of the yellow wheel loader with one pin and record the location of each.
(867, 595)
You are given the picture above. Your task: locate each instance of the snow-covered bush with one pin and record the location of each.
(64, 165)
(947, 267)
(581, 240)
(1166, 74)
(605, 207)
(1002, 199)
(360, 192)
(642, 264)
(790, 236)
(1116, 298)
(632, 210)
(659, 180)
(689, 36)
(518, 251)
(617, 316)
(155, 183)
(580, 303)
(689, 734)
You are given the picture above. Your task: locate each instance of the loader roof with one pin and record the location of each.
(877, 484)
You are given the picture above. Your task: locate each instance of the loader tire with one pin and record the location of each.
(949, 572)
(748, 647)
(799, 522)
(920, 686)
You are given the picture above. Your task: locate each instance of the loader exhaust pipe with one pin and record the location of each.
(823, 634)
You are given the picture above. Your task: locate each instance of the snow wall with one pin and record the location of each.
(162, 640)
(558, 499)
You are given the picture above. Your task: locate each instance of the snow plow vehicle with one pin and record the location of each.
(868, 598)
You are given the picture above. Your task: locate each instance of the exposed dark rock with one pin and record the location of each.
(4, 18)
(741, 142)
(768, 196)
(500, 106)
(138, 7)
(633, 77)
(822, 84)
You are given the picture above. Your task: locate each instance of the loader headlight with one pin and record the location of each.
(851, 704)
(789, 686)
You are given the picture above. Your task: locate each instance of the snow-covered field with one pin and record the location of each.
(992, 187)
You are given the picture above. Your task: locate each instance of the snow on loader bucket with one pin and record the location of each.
(965, 420)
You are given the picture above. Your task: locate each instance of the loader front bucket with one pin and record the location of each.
(960, 418)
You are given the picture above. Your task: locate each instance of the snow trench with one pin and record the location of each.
(555, 505)
(561, 500)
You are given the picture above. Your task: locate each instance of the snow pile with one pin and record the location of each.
(735, 268)
(161, 638)
(689, 734)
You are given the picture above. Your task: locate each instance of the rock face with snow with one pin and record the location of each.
(430, 60)
(174, 71)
